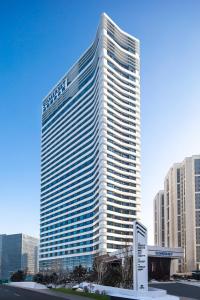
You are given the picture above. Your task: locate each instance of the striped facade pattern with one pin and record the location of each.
(90, 157)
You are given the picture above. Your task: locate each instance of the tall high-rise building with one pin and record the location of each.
(182, 211)
(159, 219)
(90, 157)
(18, 252)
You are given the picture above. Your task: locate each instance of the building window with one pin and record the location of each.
(178, 175)
(197, 166)
(197, 201)
(197, 184)
(198, 218)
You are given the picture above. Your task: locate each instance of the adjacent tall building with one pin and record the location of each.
(90, 156)
(182, 212)
(159, 219)
(18, 252)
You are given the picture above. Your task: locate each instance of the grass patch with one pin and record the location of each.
(83, 294)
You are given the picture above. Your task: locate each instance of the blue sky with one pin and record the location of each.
(40, 40)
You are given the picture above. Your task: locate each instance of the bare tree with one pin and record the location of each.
(127, 268)
(58, 273)
(100, 266)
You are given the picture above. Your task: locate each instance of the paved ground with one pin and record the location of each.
(184, 291)
(63, 295)
(13, 293)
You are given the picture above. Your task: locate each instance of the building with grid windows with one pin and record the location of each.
(18, 252)
(182, 212)
(159, 219)
(90, 156)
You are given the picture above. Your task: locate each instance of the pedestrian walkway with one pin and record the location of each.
(63, 295)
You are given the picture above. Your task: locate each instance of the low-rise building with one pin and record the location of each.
(161, 260)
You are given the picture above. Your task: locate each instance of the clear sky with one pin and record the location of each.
(41, 39)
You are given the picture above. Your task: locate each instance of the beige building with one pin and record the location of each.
(159, 219)
(181, 212)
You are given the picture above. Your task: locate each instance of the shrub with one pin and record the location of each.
(18, 276)
(39, 278)
(86, 290)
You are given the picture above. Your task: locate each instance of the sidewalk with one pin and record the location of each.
(62, 295)
(76, 297)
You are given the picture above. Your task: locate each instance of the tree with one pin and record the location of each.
(18, 276)
(113, 274)
(39, 278)
(100, 267)
(127, 268)
(79, 273)
(47, 279)
(112, 270)
(54, 278)
(60, 273)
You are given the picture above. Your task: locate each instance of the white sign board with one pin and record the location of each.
(140, 257)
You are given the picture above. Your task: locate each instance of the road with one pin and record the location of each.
(179, 289)
(13, 293)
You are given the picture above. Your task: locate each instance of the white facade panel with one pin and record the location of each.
(90, 160)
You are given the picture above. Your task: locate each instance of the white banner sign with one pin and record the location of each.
(140, 257)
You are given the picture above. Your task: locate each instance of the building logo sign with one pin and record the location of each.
(164, 253)
(61, 87)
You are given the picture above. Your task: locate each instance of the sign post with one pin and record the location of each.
(140, 258)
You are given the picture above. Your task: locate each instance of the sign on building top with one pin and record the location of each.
(55, 94)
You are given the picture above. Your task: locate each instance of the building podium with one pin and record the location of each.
(140, 258)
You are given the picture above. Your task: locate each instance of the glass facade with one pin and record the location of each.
(18, 252)
(90, 153)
